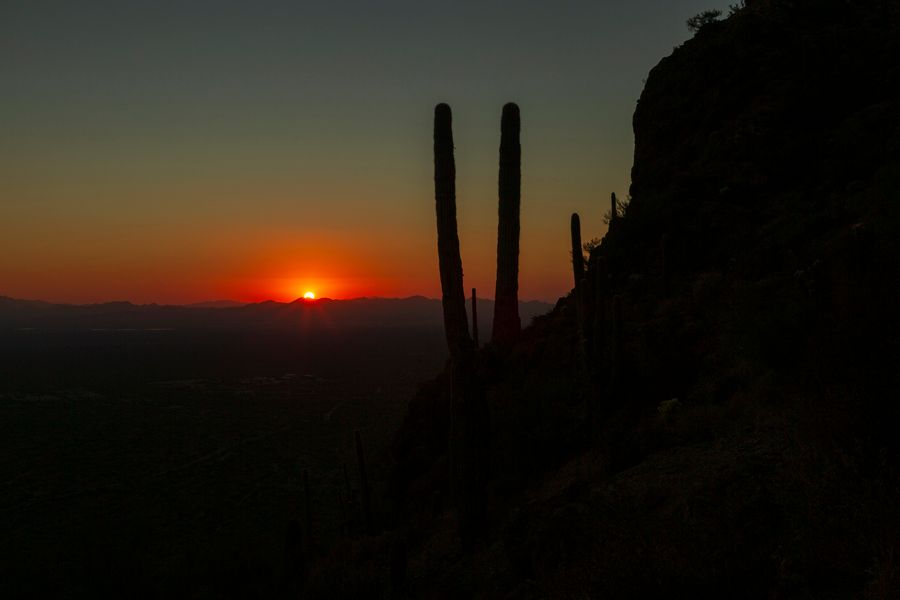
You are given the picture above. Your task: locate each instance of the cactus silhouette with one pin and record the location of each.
(601, 279)
(581, 292)
(456, 327)
(615, 345)
(577, 256)
(613, 208)
(469, 415)
(363, 483)
(507, 324)
(475, 318)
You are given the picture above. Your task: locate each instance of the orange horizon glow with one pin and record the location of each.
(268, 257)
(156, 288)
(257, 272)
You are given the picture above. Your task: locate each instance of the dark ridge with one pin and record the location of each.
(714, 415)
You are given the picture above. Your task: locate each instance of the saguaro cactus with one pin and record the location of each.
(468, 407)
(456, 326)
(581, 291)
(613, 208)
(577, 256)
(507, 324)
(475, 318)
(601, 279)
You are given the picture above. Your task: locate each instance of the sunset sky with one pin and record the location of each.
(194, 150)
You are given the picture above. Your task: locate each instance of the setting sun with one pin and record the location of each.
(309, 296)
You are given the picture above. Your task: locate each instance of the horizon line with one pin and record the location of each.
(238, 303)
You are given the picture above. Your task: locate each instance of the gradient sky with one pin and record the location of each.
(178, 151)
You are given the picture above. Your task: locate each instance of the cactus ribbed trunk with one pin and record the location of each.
(580, 291)
(577, 256)
(507, 324)
(601, 278)
(469, 416)
(456, 325)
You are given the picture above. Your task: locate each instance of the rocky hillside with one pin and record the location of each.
(714, 414)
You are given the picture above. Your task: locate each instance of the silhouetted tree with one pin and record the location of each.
(589, 246)
(616, 210)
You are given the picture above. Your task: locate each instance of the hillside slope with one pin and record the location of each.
(731, 430)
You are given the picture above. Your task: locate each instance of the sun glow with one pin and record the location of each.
(309, 296)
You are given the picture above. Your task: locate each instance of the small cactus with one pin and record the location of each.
(584, 333)
(295, 559)
(399, 567)
(580, 291)
(665, 260)
(601, 284)
(345, 518)
(577, 256)
(307, 510)
(475, 318)
(615, 354)
(363, 483)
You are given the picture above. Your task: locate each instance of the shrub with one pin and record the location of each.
(621, 207)
(699, 21)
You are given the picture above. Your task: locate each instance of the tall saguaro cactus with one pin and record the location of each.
(469, 415)
(507, 324)
(456, 326)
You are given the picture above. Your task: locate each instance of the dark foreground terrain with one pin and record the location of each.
(159, 451)
(167, 463)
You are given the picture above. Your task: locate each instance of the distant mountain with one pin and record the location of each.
(216, 304)
(325, 313)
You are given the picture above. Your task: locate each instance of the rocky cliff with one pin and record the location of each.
(730, 430)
